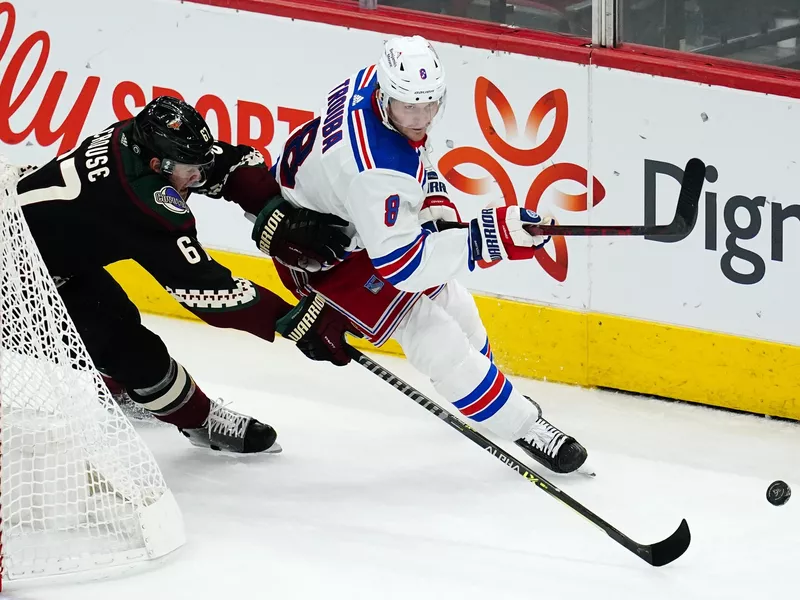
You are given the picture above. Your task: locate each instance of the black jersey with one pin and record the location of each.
(101, 203)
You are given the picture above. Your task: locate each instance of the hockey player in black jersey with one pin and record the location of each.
(122, 194)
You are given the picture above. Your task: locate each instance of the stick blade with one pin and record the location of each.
(664, 552)
(694, 175)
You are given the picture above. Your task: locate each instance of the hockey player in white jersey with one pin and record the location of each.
(364, 160)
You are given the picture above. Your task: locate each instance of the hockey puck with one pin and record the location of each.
(778, 493)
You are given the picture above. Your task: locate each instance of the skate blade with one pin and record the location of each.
(274, 449)
(585, 470)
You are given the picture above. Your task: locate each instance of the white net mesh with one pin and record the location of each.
(78, 487)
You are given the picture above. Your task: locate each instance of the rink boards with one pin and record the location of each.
(530, 118)
(584, 348)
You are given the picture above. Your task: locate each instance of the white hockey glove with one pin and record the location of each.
(436, 209)
(437, 205)
(499, 233)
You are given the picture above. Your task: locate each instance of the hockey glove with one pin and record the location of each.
(300, 238)
(318, 330)
(437, 206)
(500, 233)
(436, 209)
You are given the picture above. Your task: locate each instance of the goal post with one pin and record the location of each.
(79, 489)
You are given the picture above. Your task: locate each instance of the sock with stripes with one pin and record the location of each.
(175, 399)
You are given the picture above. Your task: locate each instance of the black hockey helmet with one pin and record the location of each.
(174, 132)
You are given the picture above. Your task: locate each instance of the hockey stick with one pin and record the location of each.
(681, 225)
(658, 554)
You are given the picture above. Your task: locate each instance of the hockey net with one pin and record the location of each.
(79, 489)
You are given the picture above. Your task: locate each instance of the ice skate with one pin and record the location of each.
(552, 447)
(229, 431)
(132, 410)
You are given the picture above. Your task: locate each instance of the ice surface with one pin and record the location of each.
(374, 498)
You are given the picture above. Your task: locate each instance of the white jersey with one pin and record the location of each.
(347, 163)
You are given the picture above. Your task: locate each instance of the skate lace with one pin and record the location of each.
(225, 421)
(546, 437)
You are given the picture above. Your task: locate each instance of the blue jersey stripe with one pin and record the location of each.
(395, 254)
(386, 149)
(354, 141)
(408, 270)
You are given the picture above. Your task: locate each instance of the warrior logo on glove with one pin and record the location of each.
(503, 233)
(307, 240)
(318, 330)
(490, 235)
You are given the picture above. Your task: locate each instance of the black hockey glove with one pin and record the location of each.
(318, 330)
(298, 237)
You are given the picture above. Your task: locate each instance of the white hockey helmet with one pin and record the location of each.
(410, 72)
